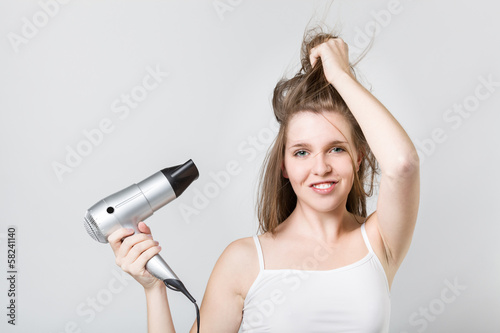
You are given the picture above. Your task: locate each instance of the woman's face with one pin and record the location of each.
(316, 159)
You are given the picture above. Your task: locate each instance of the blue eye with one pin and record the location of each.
(300, 153)
(339, 150)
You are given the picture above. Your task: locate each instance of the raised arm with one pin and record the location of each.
(399, 192)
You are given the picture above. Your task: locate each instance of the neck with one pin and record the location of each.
(326, 226)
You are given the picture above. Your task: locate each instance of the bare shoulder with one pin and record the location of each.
(239, 262)
(240, 252)
(232, 276)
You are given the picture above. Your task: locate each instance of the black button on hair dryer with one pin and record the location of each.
(136, 203)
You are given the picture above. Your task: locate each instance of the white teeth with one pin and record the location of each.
(323, 186)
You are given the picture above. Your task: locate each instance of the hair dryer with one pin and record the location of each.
(136, 203)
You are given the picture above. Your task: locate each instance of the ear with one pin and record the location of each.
(360, 158)
(283, 170)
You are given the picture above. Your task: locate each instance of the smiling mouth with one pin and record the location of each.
(323, 186)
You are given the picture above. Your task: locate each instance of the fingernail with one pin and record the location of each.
(156, 243)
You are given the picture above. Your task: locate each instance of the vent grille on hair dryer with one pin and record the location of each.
(92, 229)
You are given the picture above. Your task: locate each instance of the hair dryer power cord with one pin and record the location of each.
(177, 285)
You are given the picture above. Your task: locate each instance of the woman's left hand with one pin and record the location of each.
(334, 54)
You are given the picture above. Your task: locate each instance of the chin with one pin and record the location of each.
(325, 208)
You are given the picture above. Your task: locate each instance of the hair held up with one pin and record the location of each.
(308, 90)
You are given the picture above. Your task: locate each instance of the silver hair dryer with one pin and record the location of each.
(136, 203)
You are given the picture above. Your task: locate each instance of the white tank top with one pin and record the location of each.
(354, 298)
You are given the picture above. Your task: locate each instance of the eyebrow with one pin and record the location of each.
(307, 145)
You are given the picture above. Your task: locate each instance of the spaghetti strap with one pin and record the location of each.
(259, 252)
(365, 237)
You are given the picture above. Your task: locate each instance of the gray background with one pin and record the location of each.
(69, 75)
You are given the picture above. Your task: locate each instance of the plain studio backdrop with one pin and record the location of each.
(96, 96)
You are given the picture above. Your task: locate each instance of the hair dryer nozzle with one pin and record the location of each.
(93, 229)
(181, 176)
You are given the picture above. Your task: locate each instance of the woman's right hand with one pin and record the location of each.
(132, 252)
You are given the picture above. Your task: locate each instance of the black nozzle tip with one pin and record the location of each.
(181, 176)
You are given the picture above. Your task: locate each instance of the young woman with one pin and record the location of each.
(320, 264)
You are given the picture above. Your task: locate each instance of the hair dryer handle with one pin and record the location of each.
(160, 269)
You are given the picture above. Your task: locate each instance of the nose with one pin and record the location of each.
(321, 166)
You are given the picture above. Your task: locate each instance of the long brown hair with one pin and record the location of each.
(309, 90)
